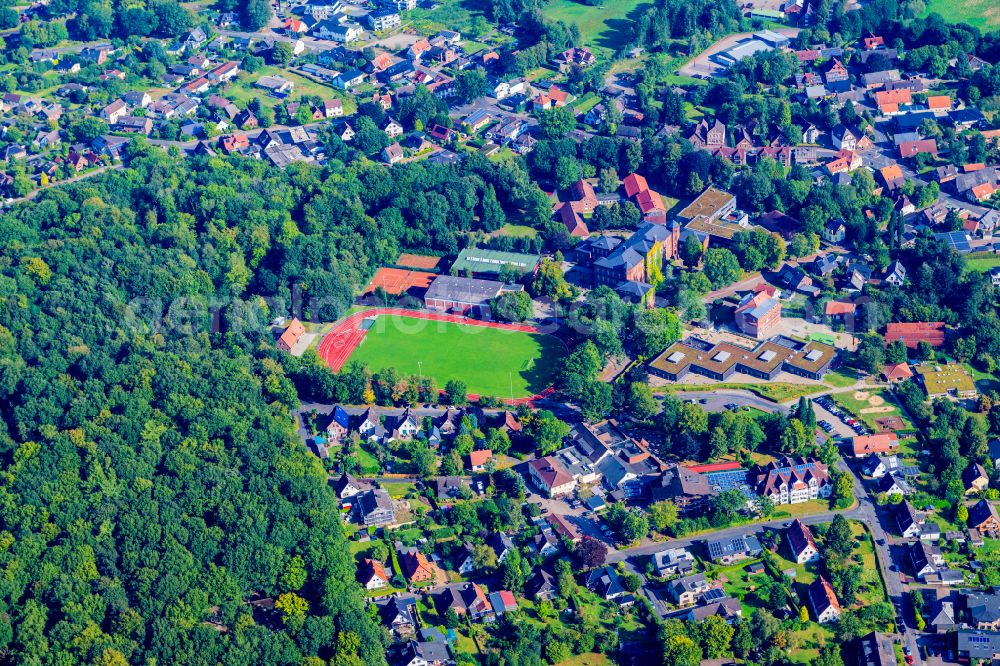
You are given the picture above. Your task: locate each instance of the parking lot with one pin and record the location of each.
(835, 421)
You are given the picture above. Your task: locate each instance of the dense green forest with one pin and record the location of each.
(152, 482)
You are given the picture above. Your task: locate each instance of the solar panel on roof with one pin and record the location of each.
(713, 594)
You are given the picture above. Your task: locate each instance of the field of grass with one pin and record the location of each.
(490, 361)
(855, 407)
(516, 231)
(601, 28)
(983, 14)
(587, 659)
(981, 262)
(776, 391)
(841, 379)
(242, 89)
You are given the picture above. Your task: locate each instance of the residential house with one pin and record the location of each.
(834, 231)
(925, 558)
(733, 549)
(404, 427)
(392, 153)
(975, 479)
(347, 486)
(823, 600)
(883, 442)
(673, 561)
(503, 602)
(835, 71)
(892, 177)
(466, 599)
(382, 19)
(396, 614)
(337, 31)
(114, 111)
(349, 79)
(542, 586)
(889, 102)
(501, 544)
(890, 485)
(424, 653)
(375, 508)
(605, 583)
(339, 425)
(333, 108)
(415, 566)
(874, 466)
(975, 646)
(708, 134)
(479, 459)
(983, 610)
(295, 330)
(801, 542)
(728, 608)
(910, 149)
(371, 574)
(686, 590)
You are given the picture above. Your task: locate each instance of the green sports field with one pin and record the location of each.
(983, 14)
(488, 360)
(603, 28)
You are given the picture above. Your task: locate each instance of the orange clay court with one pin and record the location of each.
(399, 281)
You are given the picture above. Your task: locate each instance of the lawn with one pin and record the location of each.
(448, 15)
(242, 90)
(516, 231)
(604, 28)
(981, 262)
(983, 14)
(490, 361)
(841, 379)
(776, 391)
(886, 402)
(587, 659)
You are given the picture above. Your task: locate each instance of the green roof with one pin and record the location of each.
(491, 261)
(942, 379)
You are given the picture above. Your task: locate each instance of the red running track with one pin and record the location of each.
(338, 345)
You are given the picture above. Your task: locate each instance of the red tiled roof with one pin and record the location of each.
(634, 183)
(834, 308)
(909, 149)
(897, 371)
(800, 537)
(477, 458)
(550, 471)
(885, 98)
(912, 334)
(883, 442)
(939, 102)
(292, 334)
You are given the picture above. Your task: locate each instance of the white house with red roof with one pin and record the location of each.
(550, 476)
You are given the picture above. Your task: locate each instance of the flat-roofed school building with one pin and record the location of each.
(765, 361)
